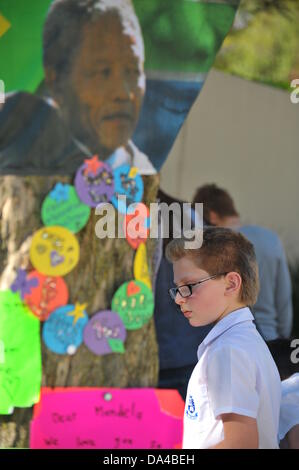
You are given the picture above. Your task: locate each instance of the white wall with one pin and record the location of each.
(244, 137)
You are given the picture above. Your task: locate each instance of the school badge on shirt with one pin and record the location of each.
(191, 411)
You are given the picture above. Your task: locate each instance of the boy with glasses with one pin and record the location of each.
(234, 392)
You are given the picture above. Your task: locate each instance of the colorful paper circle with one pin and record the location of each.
(105, 333)
(134, 303)
(63, 331)
(141, 271)
(94, 182)
(49, 294)
(128, 183)
(136, 224)
(63, 207)
(54, 251)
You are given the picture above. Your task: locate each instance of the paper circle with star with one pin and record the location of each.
(134, 303)
(94, 182)
(63, 331)
(47, 295)
(128, 187)
(54, 251)
(141, 271)
(105, 333)
(63, 207)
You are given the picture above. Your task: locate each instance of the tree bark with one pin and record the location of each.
(103, 266)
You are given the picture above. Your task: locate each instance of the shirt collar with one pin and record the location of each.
(234, 318)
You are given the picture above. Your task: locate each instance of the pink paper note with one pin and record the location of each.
(107, 418)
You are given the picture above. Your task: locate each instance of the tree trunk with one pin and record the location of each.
(103, 266)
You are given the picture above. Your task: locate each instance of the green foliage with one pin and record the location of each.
(263, 44)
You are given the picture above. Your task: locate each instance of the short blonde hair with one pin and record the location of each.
(223, 250)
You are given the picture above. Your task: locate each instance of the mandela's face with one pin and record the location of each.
(106, 85)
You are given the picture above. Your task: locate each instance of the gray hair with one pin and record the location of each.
(67, 18)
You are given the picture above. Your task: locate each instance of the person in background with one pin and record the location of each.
(273, 310)
(287, 362)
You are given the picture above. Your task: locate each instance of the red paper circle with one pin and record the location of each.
(51, 293)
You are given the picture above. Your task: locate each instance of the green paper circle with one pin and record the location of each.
(72, 214)
(135, 310)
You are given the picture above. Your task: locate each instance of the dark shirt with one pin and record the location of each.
(34, 140)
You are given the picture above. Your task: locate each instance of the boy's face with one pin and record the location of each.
(208, 300)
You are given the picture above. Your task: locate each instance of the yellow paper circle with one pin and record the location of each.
(54, 251)
(141, 272)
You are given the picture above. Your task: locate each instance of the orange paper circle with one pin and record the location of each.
(51, 293)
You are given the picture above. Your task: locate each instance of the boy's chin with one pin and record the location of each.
(196, 322)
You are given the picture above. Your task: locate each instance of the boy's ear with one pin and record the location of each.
(214, 218)
(233, 283)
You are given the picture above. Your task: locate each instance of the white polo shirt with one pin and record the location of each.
(235, 373)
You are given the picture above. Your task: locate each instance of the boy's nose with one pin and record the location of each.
(179, 299)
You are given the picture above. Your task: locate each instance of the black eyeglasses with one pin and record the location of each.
(186, 290)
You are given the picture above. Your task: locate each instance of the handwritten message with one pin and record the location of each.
(101, 418)
(54, 251)
(63, 207)
(136, 224)
(20, 356)
(105, 333)
(63, 331)
(94, 182)
(126, 185)
(134, 303)
(49, 294)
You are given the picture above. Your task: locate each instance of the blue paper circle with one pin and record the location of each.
(61, 332)
(132, 188)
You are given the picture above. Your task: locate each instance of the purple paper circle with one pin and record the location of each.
(101, 327)
(95, 188)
